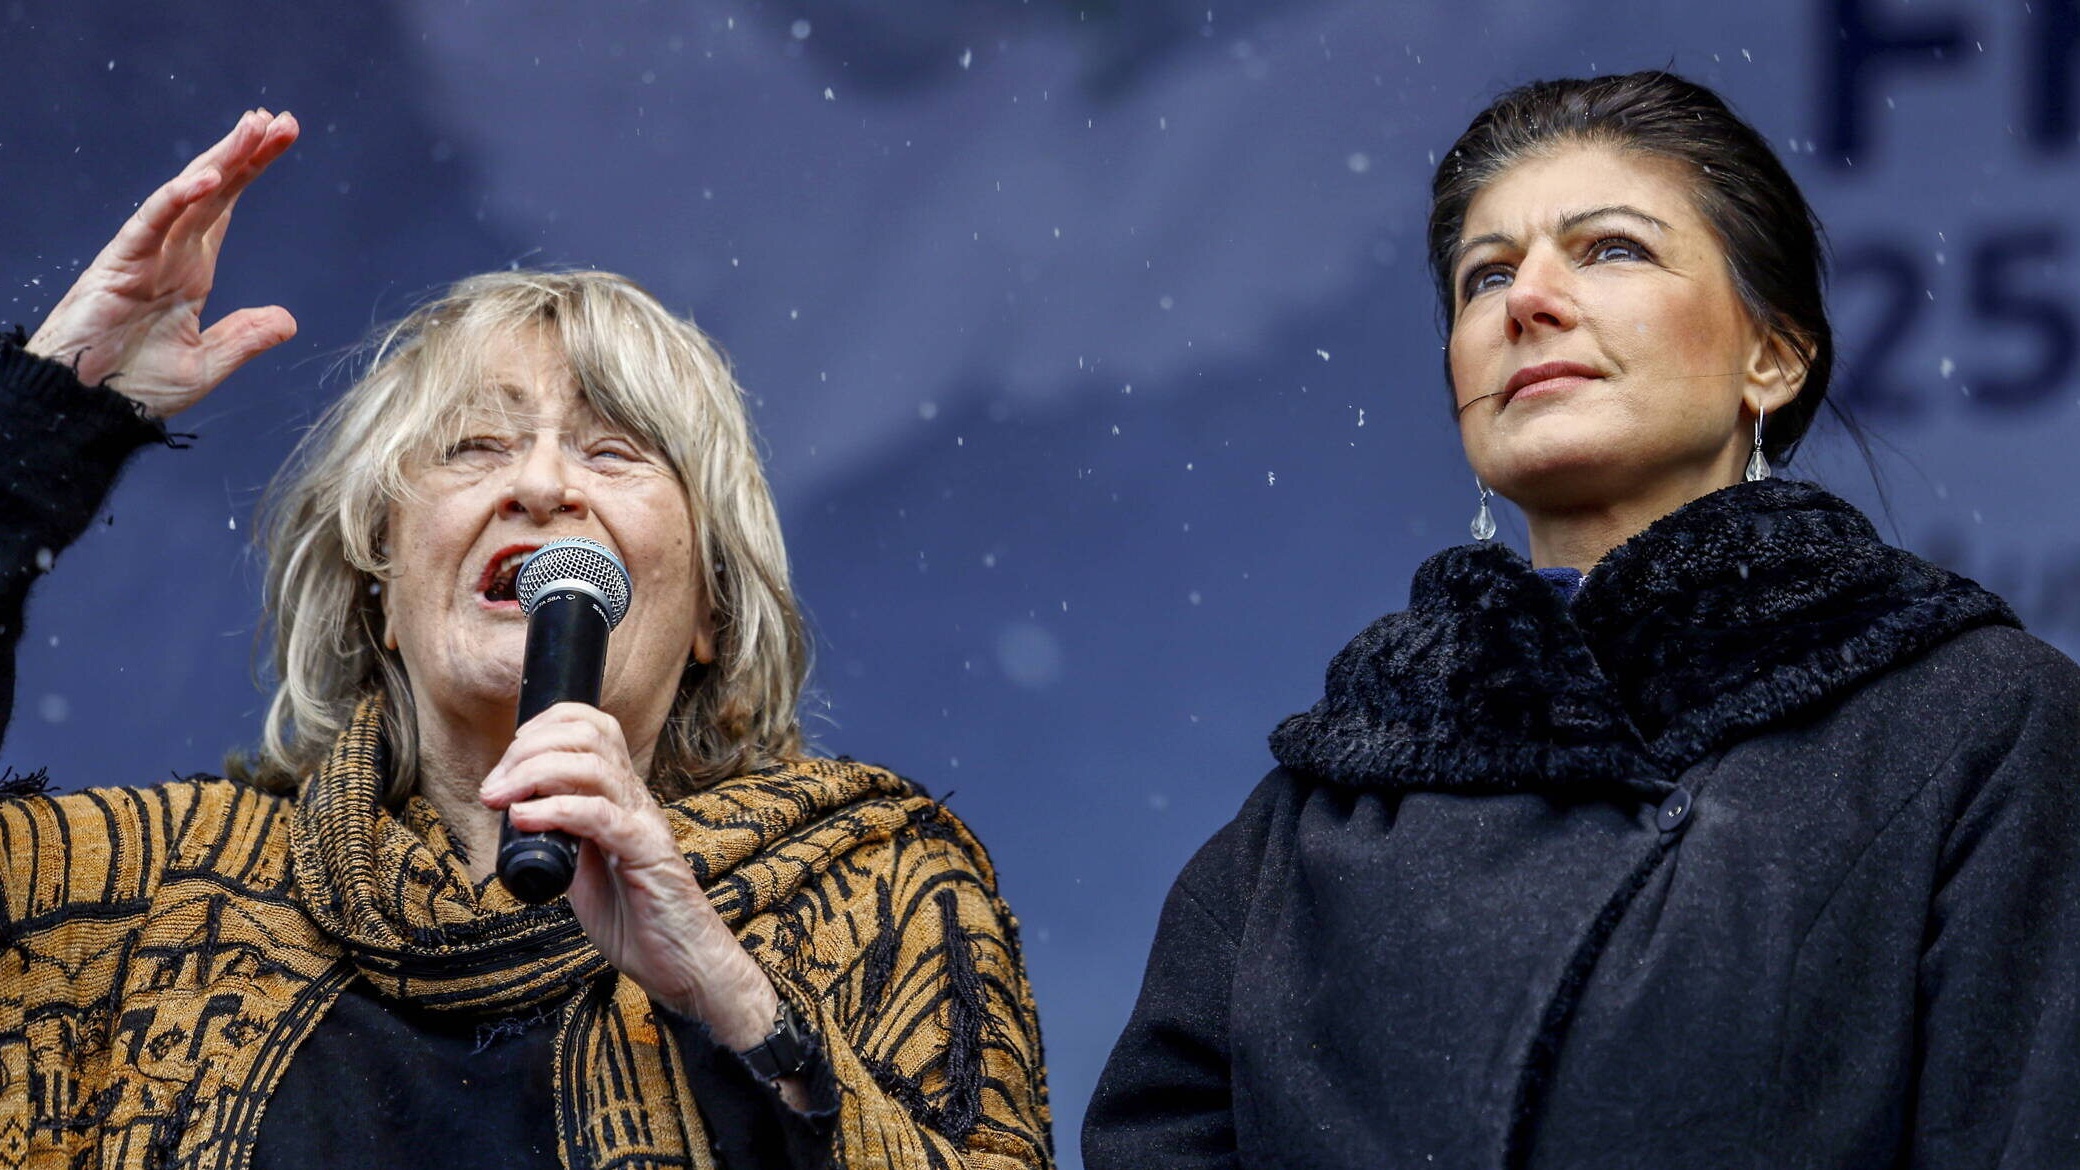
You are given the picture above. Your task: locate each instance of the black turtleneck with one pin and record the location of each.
(380, 1079)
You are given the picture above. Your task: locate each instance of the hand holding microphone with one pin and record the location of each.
(633, 892)
(574, 592)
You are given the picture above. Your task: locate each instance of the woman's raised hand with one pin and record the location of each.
(134, 317)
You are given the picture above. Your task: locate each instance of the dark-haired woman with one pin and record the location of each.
(1717, 833)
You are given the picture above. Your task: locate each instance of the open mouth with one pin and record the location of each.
(503, 574)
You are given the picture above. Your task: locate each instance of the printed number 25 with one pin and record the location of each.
(2007, 317)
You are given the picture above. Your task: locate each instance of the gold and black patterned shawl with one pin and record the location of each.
(160, 962)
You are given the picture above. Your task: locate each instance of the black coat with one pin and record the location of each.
(1762, 853)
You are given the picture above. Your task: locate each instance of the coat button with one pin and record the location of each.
(1674, 811)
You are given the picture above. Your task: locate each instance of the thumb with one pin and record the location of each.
(242, 336)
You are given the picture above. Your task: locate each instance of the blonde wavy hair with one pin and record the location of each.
(323, 522)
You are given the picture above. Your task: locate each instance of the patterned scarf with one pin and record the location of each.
(393, 892)
(169, 948)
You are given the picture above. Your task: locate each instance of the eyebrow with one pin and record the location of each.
(489, 402)
(1568, 223)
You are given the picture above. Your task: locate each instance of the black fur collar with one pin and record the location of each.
(1732, 613)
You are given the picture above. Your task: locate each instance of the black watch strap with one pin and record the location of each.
(785, 1051)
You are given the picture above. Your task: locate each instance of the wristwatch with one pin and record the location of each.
(785, 1051)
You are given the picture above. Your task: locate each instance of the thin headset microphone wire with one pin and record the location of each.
(1483, 398)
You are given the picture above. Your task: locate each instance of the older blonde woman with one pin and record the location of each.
(765, 957)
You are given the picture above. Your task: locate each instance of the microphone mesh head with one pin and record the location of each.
(578, 561)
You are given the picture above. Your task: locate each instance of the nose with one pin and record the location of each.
(543, 487)
(1540, 297)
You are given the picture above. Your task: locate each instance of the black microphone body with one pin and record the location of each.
(566, 657)
(566, 651)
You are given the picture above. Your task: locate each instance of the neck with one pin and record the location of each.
(454, 758)
(455, 755)
(1579, 537)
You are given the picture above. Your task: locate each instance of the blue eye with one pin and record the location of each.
(619, 449)
(1485, 278)
(1616, 248)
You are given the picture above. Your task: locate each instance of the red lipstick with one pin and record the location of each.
(496, 576)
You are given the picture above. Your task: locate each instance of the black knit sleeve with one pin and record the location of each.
(62, 445)
(749, 1125)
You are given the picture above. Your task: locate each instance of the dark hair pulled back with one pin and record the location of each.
(1771, 238)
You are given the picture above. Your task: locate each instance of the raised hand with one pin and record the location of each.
(134, 317)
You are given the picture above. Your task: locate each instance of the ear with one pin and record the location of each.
(382, 589)
(704, 636)
(704, 625)
(383, 599)
(1776, 372)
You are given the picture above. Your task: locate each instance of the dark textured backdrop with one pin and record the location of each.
(1091, 342)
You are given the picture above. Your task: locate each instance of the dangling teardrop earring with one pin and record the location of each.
(1758, 463)
(1483, 526)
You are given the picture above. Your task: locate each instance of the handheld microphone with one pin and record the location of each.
(574, 592)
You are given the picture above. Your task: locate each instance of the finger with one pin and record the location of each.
(143, 235)
(219, 154)
(274, 136)
(203, 174)
(616, 831)
(553, 773)
(592, 892)
(569, 727)
(566, 727)
(240, 337)
(570, 711)
(250, 158)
